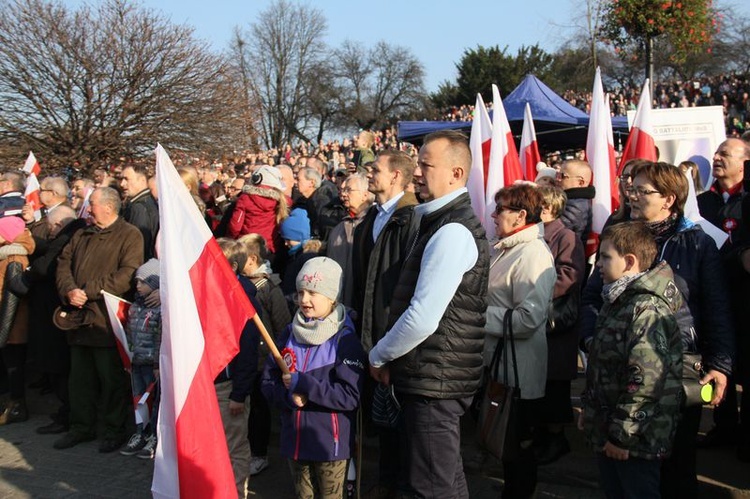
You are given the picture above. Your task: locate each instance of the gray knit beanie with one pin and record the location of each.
(321, 275)
(149, 273)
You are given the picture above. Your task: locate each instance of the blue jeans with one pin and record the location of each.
(141, 377)
(634, 478)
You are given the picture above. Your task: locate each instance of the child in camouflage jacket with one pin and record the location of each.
(633, 381)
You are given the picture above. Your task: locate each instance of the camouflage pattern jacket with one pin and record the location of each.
(633, 381)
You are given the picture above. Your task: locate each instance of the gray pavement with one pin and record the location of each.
(31, 468)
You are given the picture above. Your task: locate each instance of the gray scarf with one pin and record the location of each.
(613, 290)
(317, 331)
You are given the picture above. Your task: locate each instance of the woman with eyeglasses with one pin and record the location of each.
(522, 277)
(657, 197)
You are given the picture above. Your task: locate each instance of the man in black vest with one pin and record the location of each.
(432, 351)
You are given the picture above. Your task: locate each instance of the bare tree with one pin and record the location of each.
(282, 51)
(89, 84)
(379, 84)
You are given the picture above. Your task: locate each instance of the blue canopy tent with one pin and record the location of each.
(558, 124)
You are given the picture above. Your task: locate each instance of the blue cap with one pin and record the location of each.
(296, 227)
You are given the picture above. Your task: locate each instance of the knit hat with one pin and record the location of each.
(11, 228)
(268, 176)
(149, 273)
(544, 171)
(321, 275)
(296, 227)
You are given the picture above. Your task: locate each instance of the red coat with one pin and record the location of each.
(257, 211)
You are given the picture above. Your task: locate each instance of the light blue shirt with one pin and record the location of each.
(448, 255)
(384, 214)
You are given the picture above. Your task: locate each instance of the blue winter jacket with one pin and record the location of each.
(330, 375)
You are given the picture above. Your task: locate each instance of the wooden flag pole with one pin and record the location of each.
(271, 344)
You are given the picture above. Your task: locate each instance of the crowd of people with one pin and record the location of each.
(381, 289)
(731, 91)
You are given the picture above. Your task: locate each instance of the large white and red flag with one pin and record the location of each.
(529, 149)
(32, 193)
(32, 165)
(204, 310)
(117, 311)
(640, 143)
(505, 167)
(479, 142)
(600, 154)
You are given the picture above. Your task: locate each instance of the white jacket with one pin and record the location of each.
(522, 277)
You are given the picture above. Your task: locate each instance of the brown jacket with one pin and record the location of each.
(99, 260)
(19, 332)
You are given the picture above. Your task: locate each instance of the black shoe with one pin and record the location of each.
(557, 446)
(111, 444)
(52, 429)
(71, 440)
(715, 438)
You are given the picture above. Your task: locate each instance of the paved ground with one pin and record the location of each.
(30, 468)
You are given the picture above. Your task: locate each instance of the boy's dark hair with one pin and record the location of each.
(235, 252)
(632, 238)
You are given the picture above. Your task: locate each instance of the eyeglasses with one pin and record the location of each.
(501, 208)
(640, 191)
(347, 190)
(625, 177)
(45, 190)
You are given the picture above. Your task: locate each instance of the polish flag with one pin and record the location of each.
(640, 142)
(600, 154)
(479, 142)
(32, 165)
(204, 310)
(32, 195)
(529, 153)
(117, 311)
(505, 167)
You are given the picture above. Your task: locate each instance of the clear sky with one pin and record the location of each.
(437, 31)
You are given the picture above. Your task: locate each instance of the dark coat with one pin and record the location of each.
(11, 204)
(578, 211)
(47, 342)
(562, 337)
(377, 266)
(99, 260)
(143, 212)
(729, 217)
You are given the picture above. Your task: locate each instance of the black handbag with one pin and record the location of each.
(692, 372)
(498, 413)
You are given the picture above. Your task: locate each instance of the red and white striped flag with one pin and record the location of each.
(640, 142)
(204, 310)
(117, 311)
(529, 150)
(479, 142)
(505, 167)
(600, 154)
(32, 192)
(32, 165)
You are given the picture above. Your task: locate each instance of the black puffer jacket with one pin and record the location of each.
(699, 274)
(577, 213)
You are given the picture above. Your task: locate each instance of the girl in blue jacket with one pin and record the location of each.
(319, 399)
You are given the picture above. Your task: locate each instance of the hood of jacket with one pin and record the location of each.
(659, 282)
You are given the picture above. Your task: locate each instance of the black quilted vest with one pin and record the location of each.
(448, 364)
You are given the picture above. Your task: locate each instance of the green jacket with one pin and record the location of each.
(633, 381)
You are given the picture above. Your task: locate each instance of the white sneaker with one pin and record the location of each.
(258, 464)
